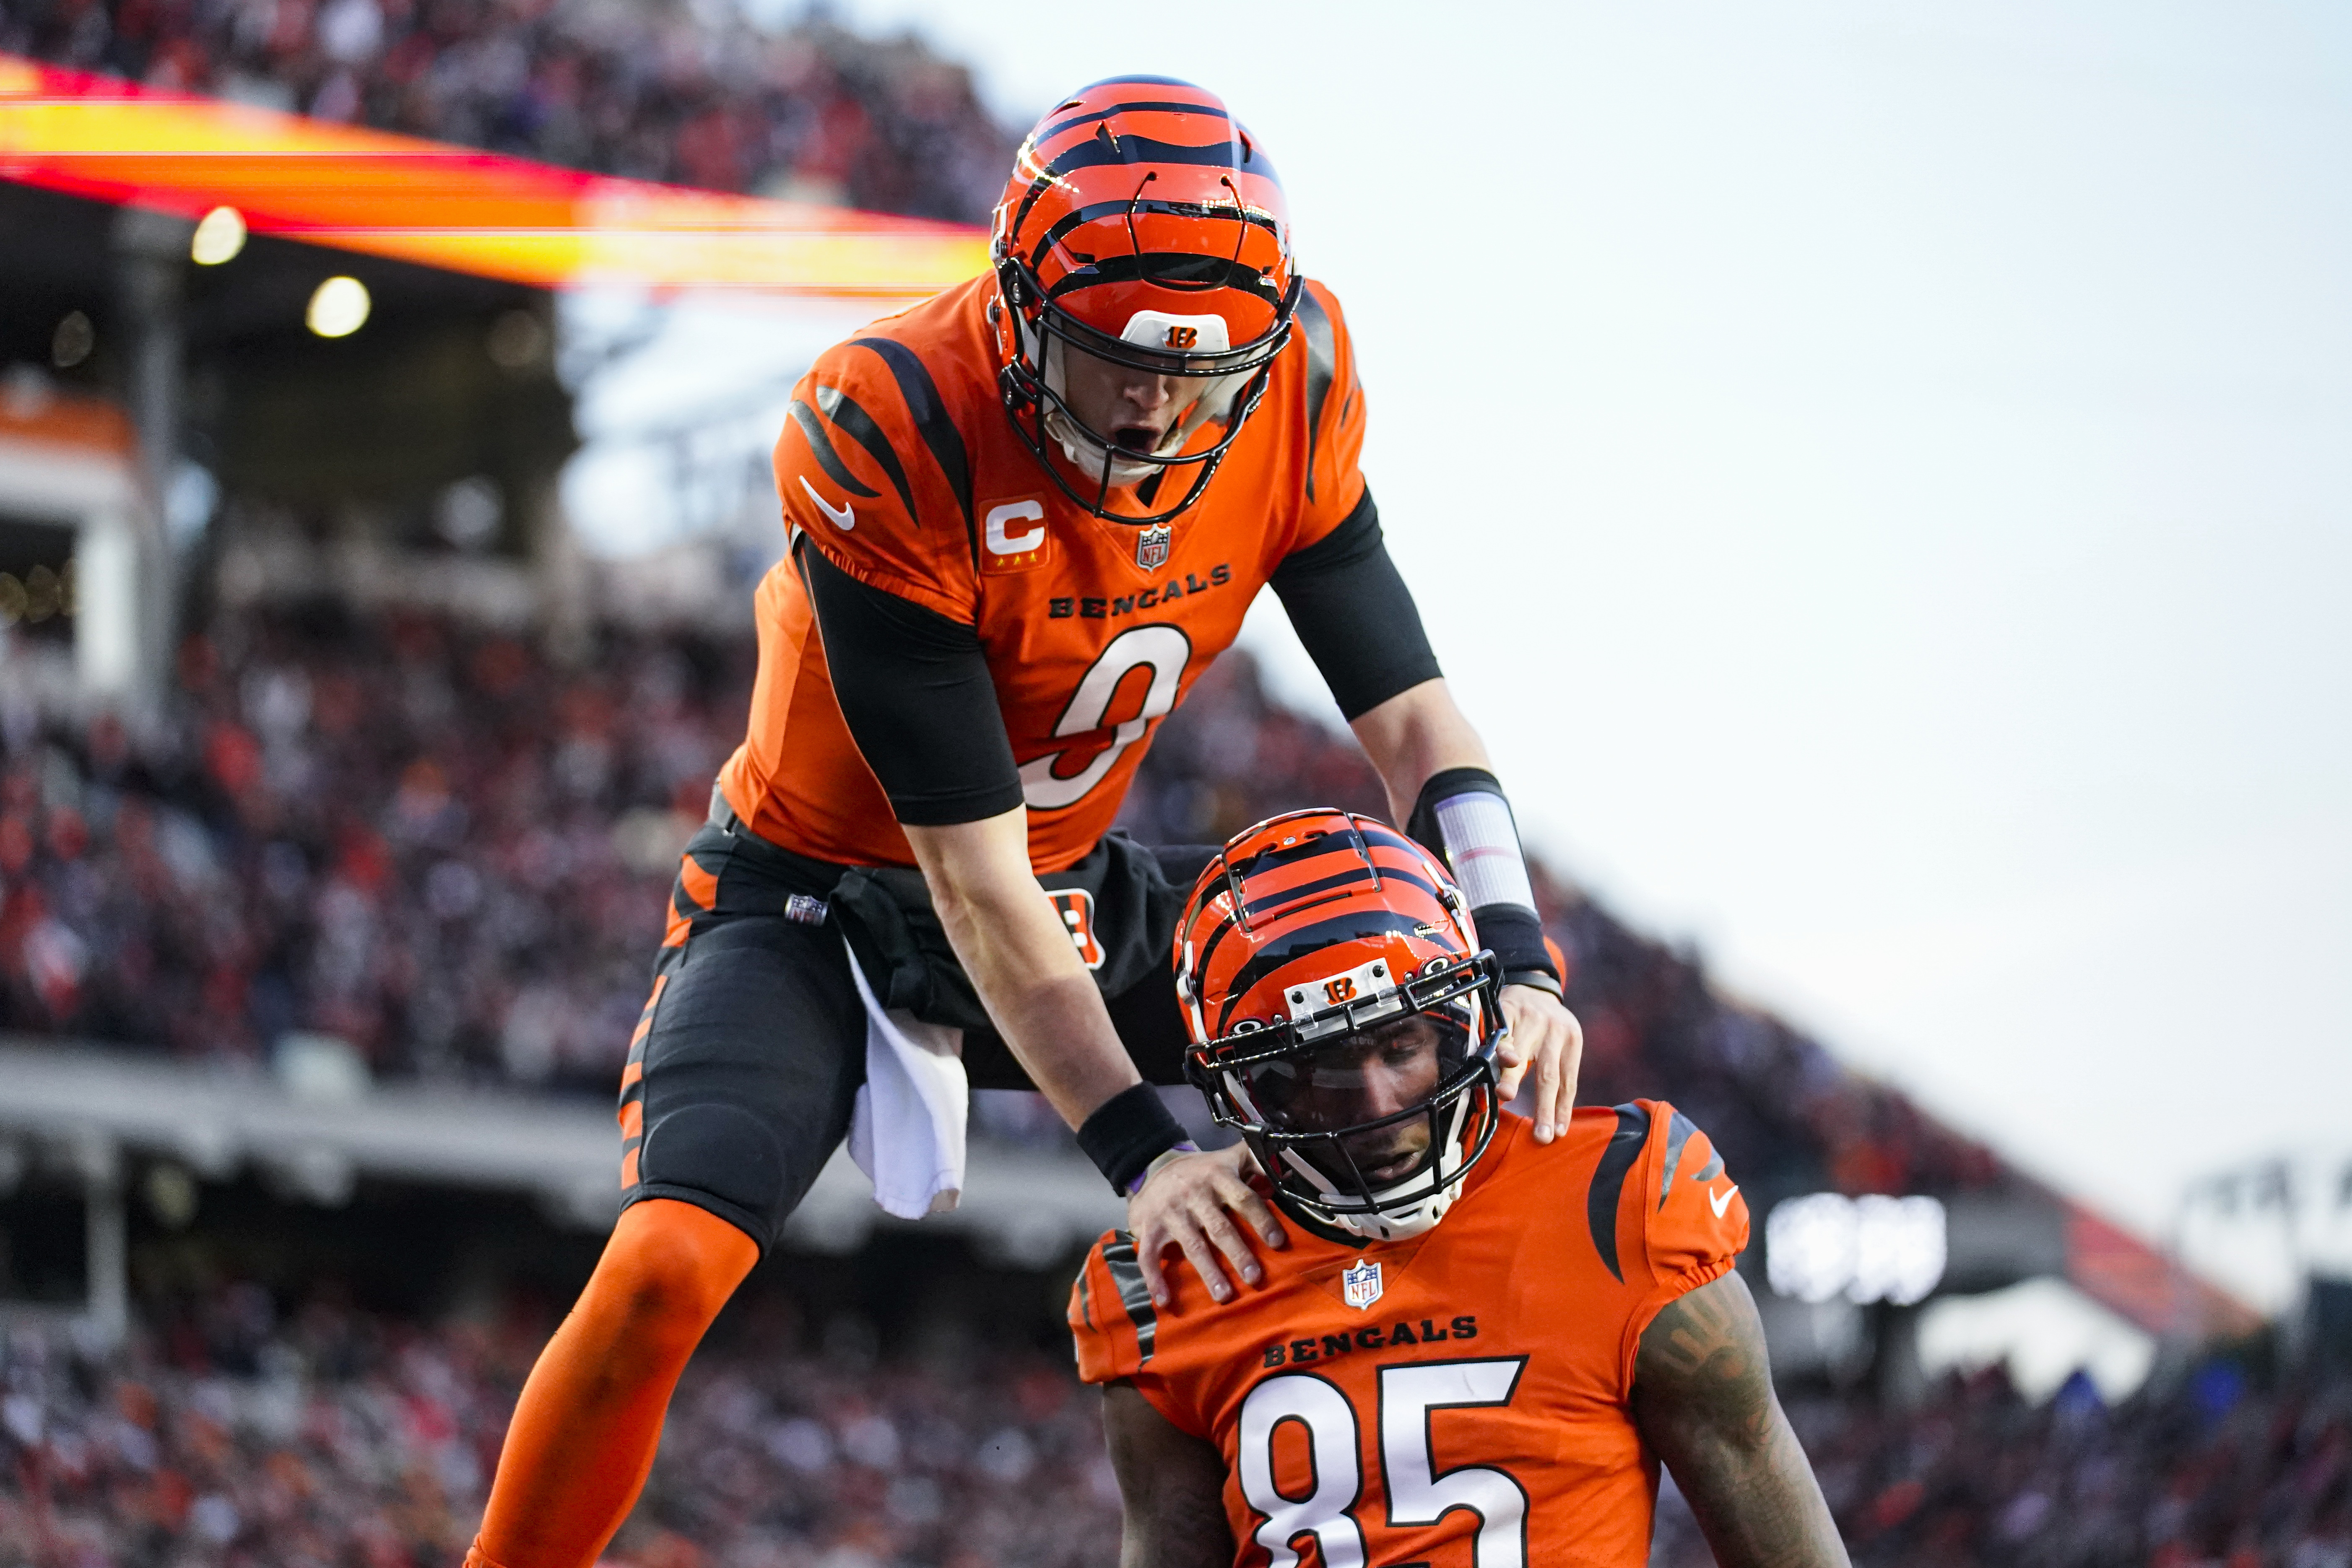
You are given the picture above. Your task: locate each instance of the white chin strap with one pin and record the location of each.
(1146, 329)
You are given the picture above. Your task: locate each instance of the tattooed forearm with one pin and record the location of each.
(1703, 1398)
(1170, 1486)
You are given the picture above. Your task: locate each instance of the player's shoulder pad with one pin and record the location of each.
(1331, 356)
(1660, 1185)
(1333, 405)
(873, 472)
(872, 402)
(1111, 1313)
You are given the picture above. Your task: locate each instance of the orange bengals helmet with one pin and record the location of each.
(1143, 226)
(1343, 1018)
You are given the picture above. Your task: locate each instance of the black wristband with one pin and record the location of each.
(1127, 1132)
(1516, 937)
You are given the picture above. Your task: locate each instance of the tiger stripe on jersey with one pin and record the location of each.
(1679, 1132)
(1608, 1188)
(1126, 1274)
(821, 447)
(1322, 370)
(933, 423)
(858, 425)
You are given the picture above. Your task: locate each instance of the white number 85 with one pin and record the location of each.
(1417, 1494)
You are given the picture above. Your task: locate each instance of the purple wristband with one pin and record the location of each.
(1180, 1147)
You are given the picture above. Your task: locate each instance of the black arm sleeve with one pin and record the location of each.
(915, 688)
(1355, 614)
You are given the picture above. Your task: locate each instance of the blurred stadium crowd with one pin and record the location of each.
(428, 844)
(653, 89)
(431, 841)
(224, 1436)
(431, 844)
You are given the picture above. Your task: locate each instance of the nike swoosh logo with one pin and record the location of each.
(845, 517)
(1721, 1203)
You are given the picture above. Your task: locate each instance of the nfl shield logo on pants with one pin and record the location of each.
(1360, 1285)
(1151, 547)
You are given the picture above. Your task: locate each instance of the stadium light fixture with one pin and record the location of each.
(338, 308)
(1871, 1248)
(218, 237)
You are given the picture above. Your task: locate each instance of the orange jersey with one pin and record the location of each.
(1460, 1399)
(899, 464)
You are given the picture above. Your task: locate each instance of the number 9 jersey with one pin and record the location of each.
(899, 465)
(1460, 1399)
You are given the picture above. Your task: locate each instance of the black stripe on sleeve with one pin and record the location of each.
(1609, 1181)
(844, 411)
(1678, 1136)
(821, 447)
(914, 687)
(1119, 1255)
(931, 422)
(1322, 369)
(1354, 613)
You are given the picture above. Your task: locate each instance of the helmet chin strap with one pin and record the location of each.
(1089, 453)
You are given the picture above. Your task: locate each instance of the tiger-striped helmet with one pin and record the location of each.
(1143, 224)
(1343, 1018)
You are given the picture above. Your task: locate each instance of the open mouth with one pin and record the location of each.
(1140, 438)
(1385, 1168)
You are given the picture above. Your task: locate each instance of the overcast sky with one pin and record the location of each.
(1880, 476)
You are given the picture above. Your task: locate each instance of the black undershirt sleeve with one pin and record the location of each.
(1355, 614)
(915, 689)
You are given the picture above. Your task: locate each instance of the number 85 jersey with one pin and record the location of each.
(1461, 1400)
(898, 464)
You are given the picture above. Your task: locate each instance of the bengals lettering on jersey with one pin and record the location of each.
(898, 463)
(1460, 1399)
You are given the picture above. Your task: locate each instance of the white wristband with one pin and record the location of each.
(1483, 843)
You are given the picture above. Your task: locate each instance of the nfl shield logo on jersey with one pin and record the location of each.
(1360, 1285)
(1151, 547)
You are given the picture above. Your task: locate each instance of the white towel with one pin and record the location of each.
(907, 1133)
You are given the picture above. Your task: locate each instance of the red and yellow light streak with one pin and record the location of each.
(451, 207)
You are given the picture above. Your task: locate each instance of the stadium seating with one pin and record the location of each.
(687, 94)
(422, 841)
(434, 841)
(427, 840)
(227, 1434)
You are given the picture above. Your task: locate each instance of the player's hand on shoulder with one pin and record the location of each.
(1546, 1041)
(1191, 1204)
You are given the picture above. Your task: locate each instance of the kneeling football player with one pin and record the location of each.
(1478, 1348)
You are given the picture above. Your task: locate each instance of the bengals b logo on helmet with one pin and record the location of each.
(1313, 944)
(1184, 337)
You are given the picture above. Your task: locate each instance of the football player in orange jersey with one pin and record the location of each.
(1481, 1346)
(1022, 518)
